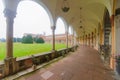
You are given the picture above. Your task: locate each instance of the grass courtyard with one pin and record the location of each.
(20, 49)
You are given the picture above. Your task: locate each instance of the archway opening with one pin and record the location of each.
(60, 26)
(32, 20)
(2, 32)
(107, 28)
(70, 36)
(60, 36)
(107, 37)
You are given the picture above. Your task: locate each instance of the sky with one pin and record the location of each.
(30, 18)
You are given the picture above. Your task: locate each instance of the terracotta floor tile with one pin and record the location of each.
(84, 64)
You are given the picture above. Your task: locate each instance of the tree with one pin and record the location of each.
(15, 39)
(19, 39)
(3, 40)
(27, 39)
(39, 40)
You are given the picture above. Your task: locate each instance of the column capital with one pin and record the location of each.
(9, 13)
(53, 27)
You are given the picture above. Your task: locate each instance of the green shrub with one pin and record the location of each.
(39, 40)
(27, 39)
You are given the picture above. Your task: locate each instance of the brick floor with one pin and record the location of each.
(84, 64)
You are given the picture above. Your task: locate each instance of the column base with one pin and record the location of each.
(9, 66)
(53, 54)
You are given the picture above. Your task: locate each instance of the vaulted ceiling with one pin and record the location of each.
(85, 13)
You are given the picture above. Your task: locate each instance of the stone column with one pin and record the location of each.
(53, 37)
(66, 39)
(86, 39)
(9, 60)
(92, 40)
(95, 38)
(112, 61)
(80, 40)
(66, 32)
(89, 39)
(10, 15)
(83, 40)
(73, 39)
(100, 30)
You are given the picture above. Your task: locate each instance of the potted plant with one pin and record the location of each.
(118, 63)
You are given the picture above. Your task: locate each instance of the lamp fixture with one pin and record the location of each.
(65, 6)
(80, 19)
(81, 26)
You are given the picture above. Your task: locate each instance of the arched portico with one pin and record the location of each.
(66, 30)
(10, 14)
(90, 15)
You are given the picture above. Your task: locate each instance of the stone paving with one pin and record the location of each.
(84, 64)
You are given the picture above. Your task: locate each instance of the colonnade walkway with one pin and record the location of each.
(83, 64)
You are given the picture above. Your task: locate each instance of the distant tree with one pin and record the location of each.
(14, 39)
(27, 39)
(3, 40)
(39, 40)
(34, 39)
(19, 39)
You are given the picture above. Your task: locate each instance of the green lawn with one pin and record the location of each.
(28, 49)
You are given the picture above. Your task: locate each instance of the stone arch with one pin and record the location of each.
(106, 27)
(46, 9)
(64, 21)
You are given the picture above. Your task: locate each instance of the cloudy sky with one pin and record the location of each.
(30, 18)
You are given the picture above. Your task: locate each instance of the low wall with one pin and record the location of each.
(13, 65)
(1, 69)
